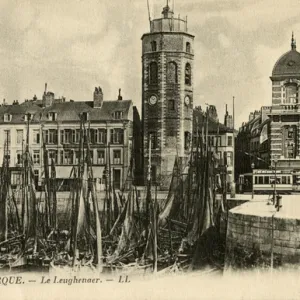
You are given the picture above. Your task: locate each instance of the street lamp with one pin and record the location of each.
(252, 167)
(275, 164)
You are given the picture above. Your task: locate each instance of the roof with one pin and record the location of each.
(66, 111)
(213, 125)
(288, 64)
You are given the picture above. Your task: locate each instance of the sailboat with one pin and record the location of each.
(83, 248)
(11, 237)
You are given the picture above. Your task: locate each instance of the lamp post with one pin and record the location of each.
(252, 167)
(275, 164)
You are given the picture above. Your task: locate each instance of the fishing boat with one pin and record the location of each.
(81, 247)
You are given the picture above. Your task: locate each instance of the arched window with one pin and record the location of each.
(153, 73)
(153, 46)
(188, 47)
(172, 72)
(188, 74)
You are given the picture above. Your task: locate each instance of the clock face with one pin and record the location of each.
(153, 100)
(187, 100)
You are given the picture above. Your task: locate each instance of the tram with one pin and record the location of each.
(263, 182)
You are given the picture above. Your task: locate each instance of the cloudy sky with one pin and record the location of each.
(75, 45)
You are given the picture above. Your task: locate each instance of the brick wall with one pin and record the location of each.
(249, 241)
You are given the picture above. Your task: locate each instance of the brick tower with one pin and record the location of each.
(167, 94)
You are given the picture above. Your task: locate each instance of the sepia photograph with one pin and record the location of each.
(149, 149)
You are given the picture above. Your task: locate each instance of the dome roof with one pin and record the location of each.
(289, 63)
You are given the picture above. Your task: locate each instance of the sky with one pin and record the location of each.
(75, 45)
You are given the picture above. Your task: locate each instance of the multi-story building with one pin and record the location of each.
(56, 123)
(252, 146)
(220, 138)
(274, 133)
(167, 94)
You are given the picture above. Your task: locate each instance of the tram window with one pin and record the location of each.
(283, 179)
(288, 179)
(256, 179)
(267, 179)
(260, 180)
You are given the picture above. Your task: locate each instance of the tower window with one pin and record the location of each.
(188, 47)
(172, 72)
(153, 46)
(153, 70)
(188, 74)
(171, 104)
(153, 138)
(187, 140)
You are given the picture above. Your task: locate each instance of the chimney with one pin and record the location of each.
(98, 97)
(119, 96)
(251, 116)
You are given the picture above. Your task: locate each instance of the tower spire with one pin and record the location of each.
(293, 42)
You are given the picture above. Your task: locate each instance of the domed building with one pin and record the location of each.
(285, 111)
(272, 134)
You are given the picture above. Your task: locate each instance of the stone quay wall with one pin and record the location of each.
(251, 239)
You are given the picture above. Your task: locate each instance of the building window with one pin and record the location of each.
(67, 136)
(187, 140)
(52, 136)
(52, 116)
(28, 117)
(117, 136)
(19, 157)
(291, 94)
(68, 157)
(229, 141)
(36, 157)
(91, 157)
(101, 136)
(7, 137)
(19, 136)
(229, 158)
(100, 157)
(153, 174)
(153, 73)
(153, 46)
(36, 136)
(7, 117)
(188, 47)
(77, 155)
(172, 72)
(85, 116)
(52, 154)
(118, 115)
(117, 156)
(171, 104)
(188, 74)
(154, 141)
(218, 141)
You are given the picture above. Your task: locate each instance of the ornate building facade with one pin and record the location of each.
(167, 94)
(272, 135)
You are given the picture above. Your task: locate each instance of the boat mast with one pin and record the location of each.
(4, 193)
(91, 189)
